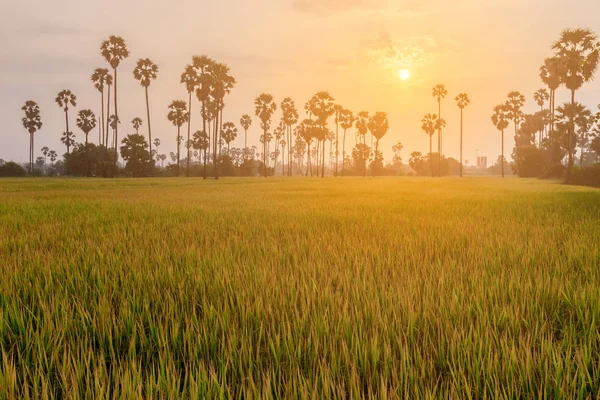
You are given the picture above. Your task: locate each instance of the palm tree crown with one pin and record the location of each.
(462, 100)
(145, 71)
(114, 50)
(64, 98)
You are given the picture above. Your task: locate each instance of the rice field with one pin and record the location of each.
(299, 288)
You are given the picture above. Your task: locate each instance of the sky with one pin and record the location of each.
(352, 48)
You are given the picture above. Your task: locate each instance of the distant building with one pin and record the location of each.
(482, 163)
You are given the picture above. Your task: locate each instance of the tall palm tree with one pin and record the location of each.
(462, 100)
(439, 93)
(579, 54)
(502, 114)
(178, 115)
(145, 72)
(550, 75)
(322, 106)
(86, 121)
(264, 107)
(305, 130)
(339, 110)
(279, 132)
(32, 121)
(346, 122)
(64, 99)
(379, 126)
(157, 145)
(45, 151)
(540, 97)
(99, 79)
(52, 154)
(245, 122)
(581, 117)
(222, 84)
(114, 50)
(113, 122)
(428, 125)
(515, 103)
(230, 133)
(190, 79)
(290, 118)
(137, 123)
(109, 82)
(201, 65)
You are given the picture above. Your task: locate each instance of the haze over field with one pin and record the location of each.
(354, 49)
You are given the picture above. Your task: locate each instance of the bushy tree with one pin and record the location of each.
(136, 155)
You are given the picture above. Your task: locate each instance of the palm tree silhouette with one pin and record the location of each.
(32, 121)
(245, 122)
(462, 100)
(339, 110)
(45, 150)
(362, 126)
(290, 118)
(582, 118)
(99, 79)
(502, 114)
(64, 99)
(579, 54)
(230, 133)
(113, 122)
(52, 154)
(137, 122)
(540, 97)
(346, 122)
(550, 75)
(279, 136)
(222, 84)
(145, 72)
(201, 65)
(439, 92)
(178, 115)
(264, 107)
(305, 130)
(109, 82)
(515, 103)
(428, 125)
(322, 106)
(86, 121)
(379, 126)
(189, 78)
(114, 50)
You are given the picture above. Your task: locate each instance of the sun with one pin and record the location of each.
(404, 74)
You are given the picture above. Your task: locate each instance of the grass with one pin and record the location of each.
(376, 288)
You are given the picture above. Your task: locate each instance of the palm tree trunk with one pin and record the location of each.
(308, 168)
(503, 153)
(215, 145)
(207, 136)
(116, 120)
(102, 126)
(187, 172)
(107, 126)
(439, 137)
(430, 154)
(461, 142)
(178, 148)
(149, 128)
(516, 148)
(337, 147)
(30, 153)
(67, 125)
(570, 139)
(344, 153)
(323, 161)
(245, 143)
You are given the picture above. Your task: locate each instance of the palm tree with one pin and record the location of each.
(114, 50)
(52, 154)
(202, 65)
(540, 97)
(502, 114)
(462, 100)
(137, 122)
(245, 122)
(439, 92)
(109, 82)
(264, 107)
(305, 130)
(190, 79)
(157, 144)
(346, 122)
(362, 126)
(290, 118)
(339, 110)
(322, 106)
(63, 99)
(230, 133)
(45, 150)
(145, 72)
(515, 103)
(550, 75)
(32, 121)
(86, 121)
(428, 125)
(379, 126)
(581, 117)
(579, 54)
(200, 141)
(113, 122)
(178, 115)
(222, 84)
(99, 79)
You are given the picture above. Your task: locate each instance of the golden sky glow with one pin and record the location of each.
(353, 48)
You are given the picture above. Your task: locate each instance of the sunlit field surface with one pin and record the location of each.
(294, 288)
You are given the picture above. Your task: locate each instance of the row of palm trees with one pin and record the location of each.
(574, 62)
(434, 122)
